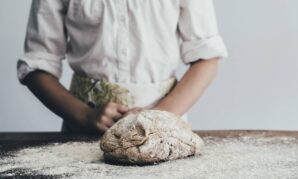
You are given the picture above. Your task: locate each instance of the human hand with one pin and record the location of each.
(101, 119)
(158, 108)
(134, 110)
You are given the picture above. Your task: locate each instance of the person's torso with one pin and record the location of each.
(123, 41)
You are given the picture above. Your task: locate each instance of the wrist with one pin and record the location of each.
(85, 112)
(161, 108)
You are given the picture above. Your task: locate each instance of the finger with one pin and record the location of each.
(138, 109)
(109, 111)
(109, 122)
(113, 113)
(126, 114)
(107, 106)
(122, 108)
(117, 116)
(111, 104)
(101, 127)
(133, 110)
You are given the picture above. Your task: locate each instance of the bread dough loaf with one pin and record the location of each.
(150, 136)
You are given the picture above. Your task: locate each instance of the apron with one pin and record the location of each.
(99, 92)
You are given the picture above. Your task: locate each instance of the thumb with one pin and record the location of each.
(122, 108)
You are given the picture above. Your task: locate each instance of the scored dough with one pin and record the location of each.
(150, 136)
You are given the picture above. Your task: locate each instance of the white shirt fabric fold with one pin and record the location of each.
(133, 41)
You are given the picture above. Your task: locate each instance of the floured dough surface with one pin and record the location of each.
(150, 136)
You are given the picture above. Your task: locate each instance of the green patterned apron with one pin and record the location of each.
(99, 92)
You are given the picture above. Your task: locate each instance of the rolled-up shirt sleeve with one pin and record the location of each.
(45, 42)
(198, 29)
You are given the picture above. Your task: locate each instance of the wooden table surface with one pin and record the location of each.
(57, 136)
(10, 142)
(238, 133)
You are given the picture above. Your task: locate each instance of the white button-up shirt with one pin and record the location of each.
(134, 41)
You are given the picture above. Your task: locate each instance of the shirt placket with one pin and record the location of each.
(122, 44)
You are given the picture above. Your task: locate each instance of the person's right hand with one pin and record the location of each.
(101, 119)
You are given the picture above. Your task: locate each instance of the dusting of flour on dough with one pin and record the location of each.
(150, 136)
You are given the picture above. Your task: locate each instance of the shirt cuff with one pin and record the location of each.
(31, 62)
(203, 49)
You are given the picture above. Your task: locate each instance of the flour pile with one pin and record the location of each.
(150, 136)
(244, 157)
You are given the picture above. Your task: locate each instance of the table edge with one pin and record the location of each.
(58, 136)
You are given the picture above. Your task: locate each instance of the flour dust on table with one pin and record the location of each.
(243, 157)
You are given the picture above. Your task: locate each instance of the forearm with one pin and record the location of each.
(191, 86)
(54, 96)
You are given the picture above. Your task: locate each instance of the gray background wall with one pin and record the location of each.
(256, 87)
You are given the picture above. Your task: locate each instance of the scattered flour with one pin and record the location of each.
(244, 157)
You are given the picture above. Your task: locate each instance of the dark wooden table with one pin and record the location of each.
(10, 142)
(9, 137)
